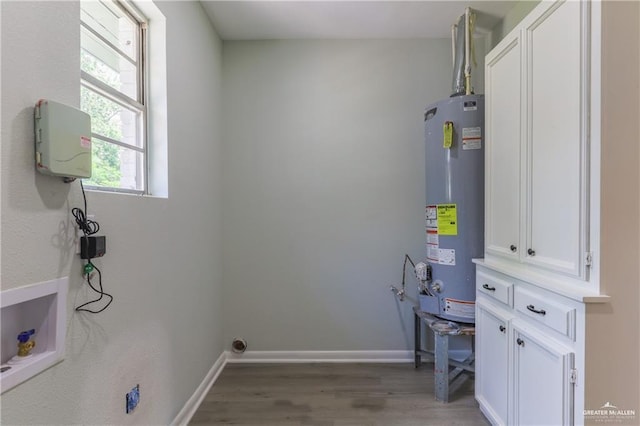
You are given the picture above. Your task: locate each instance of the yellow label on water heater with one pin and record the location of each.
(447, 130)
(447, 219)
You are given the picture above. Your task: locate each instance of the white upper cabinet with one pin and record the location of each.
(544, 124)
(537, 158)
(556, 139)
(502, 125)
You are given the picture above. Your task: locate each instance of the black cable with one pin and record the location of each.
(90, 227)
(404, 267)
(87, 226)
(101, 292)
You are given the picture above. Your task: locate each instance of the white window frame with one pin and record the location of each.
(138, 105)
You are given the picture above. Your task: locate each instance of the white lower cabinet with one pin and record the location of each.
(542, 379)
(525, 353)
(492, 347)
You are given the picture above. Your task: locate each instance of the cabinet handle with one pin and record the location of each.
(531, 252)
(520, 342)
(536, 311)
(503, 328)
(486, 287)
(513, 248)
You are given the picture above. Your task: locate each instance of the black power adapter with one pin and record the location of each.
(92, 246)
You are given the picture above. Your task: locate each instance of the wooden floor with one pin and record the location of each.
(333, 395)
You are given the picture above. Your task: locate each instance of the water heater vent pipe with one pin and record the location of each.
(454, 29)
(467, 50)
(462, 45)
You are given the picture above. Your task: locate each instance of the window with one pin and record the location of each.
(113, 93)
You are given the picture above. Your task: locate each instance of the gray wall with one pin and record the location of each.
(511, 19)
(323, 176)
(163, 264)
(324, 188)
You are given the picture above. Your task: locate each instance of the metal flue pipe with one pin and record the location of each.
(467, 50)
(461, 45)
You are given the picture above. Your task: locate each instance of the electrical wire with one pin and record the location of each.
(404, 269)
(87, 226)
(90, 227)
(100, 291)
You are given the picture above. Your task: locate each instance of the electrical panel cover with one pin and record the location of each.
(63, 140)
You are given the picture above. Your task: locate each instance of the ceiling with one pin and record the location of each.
(259, 20)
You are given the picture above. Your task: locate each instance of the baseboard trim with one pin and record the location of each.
(320, 356)
(192, 404)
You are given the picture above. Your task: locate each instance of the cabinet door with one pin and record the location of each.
(543, 392)
(492, 360)
(502, 150)
(556, 137)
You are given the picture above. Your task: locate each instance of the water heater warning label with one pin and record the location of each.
(431, 218)
(441, 219)
(447, 257)
(471, 138)
(460, 308)
(441, 256)
(432, 237)
(447, 219)
(433, 253)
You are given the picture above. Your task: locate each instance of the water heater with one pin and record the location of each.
(454, 213)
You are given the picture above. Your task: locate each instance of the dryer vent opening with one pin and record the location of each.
(239, 345)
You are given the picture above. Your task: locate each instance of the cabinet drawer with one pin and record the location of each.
(495, 287)
(546, 309)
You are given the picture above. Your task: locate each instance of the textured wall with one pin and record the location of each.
(324, 188)
(511, 19)
(163, 264)
(614, 362)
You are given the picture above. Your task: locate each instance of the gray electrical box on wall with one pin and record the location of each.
(63, 140)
